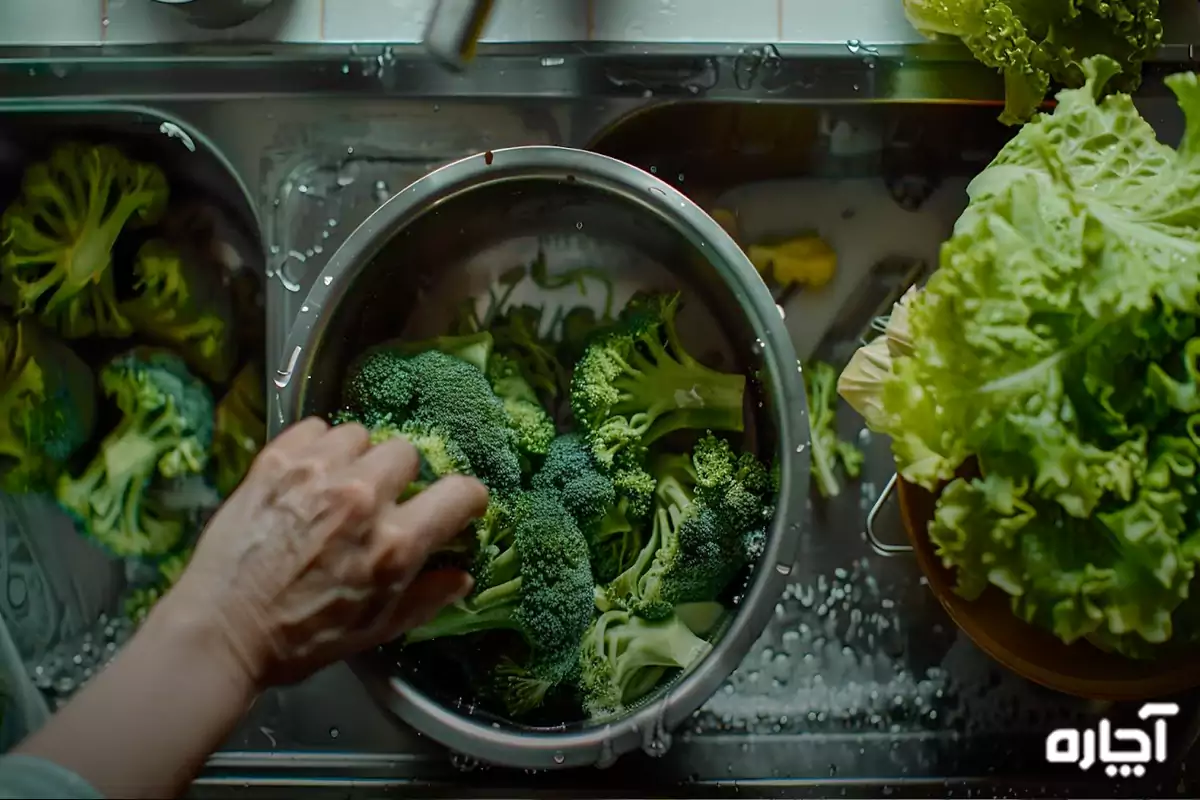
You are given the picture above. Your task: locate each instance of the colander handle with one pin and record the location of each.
(885, 549)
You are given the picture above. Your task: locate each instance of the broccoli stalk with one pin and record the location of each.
(47, 406)
(540, 586)
(60, 233)
(185, 305)
(820, 384)
(240, 430)
(623, 657)
(165, 431)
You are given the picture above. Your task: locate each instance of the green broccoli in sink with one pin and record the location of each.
(59, 234)
(165, 431)
(185, 305)
(47, 406)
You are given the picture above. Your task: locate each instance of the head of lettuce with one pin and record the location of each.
(1056, 352)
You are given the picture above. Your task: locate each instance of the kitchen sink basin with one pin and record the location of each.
(860, 686)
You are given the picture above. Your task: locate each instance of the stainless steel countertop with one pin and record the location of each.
(861, 685)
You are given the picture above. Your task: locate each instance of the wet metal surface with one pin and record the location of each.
(860, 686)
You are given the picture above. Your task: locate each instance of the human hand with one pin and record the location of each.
(311, 559)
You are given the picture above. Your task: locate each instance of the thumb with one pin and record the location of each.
(428, 594)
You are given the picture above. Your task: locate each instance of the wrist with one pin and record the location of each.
(190, 625)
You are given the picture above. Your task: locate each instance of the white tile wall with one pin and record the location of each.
(36, 22)
(686, 20)
(142, 21)
(404, 20)
(824, 21)
(50, 21)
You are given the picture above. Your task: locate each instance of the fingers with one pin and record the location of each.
(343, 444)
(432, 518)
(299, 436)
(390, 465)
(428, 594)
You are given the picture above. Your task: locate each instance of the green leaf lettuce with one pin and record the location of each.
(1055, 354)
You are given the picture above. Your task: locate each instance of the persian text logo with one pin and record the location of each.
(1124, 752)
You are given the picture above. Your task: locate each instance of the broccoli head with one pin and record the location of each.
(540, 586)
(436, 391)
(59, 234)
(184, 304)
(623, 657)
(635, 383)
(592, 500)
(534, 427)
(165, 431)
(710, 518)
(439, 454)
(47, 406)
(240, 429)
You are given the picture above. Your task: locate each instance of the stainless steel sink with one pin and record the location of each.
(861, 685)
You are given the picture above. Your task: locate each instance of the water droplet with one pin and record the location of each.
(173, 131)
(854, 45)
(345, 69)
(328, 279)
(783, 569)
(553, 61)
(782, 312)
(334, 733)
(578, 226)
(559, 758)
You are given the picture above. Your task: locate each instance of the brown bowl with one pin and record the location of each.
(1078, 669)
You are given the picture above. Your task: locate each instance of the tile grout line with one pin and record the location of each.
(103, 18)
(321, 11)
(778, 20)
(591, 19)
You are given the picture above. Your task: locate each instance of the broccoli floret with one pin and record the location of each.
(438, 392)
(439, 454)
(47, 406)
(240, 430)
(736, 485)
(185, 305)
(540, 587)
(59, 234)
(591, 498)
(165, 430)
(534, 427)
(710, 519)
(586, 492)
(635, 383)
(820, 384)
(624, 657)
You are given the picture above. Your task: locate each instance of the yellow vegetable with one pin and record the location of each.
(807, 260)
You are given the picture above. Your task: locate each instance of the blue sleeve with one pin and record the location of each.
(24, 777)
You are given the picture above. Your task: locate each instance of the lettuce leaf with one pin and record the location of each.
(1034, 42)
(1055, 351)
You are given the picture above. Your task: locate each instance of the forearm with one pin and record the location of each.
(145, 725)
